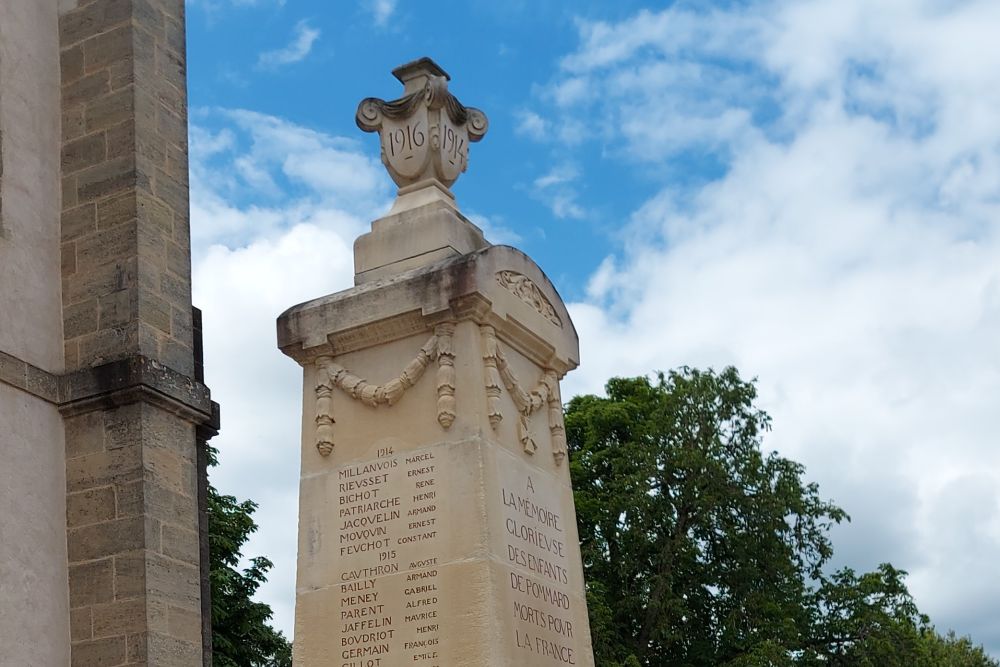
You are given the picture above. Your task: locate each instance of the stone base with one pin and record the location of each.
(460, 553)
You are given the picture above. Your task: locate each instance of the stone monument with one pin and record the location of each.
(436, 518)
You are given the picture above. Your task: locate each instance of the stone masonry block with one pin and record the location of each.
(129, 499)
(92, 19)
(116, 210)
(73, 125)
(80, 624)
(86, 88)
(112, 109)
(129, 575)
(103, 468)
(116, 308)
(123, 427)
(107, 344)
(79, 221)
(106, 179)
(80, 318)
(174, 35)
(71, 64)
(177, 355)
(67, 257)
(173, 581)
(84, 152)
(167, 651)
(173, 191)
(106, 652)
(105, 247)
(89, 507)
(84, 435)
(69, 198)
(158, 214)
(180, 544)
(121, 140)
(136, 647)
(105, 539)
(95, 281)
(119, 617)
(91, 583)
(108, 47)
(169, 506)
(178, 260)
(155, 311)
(184, 624)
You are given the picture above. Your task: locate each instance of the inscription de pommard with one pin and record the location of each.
(436, 518)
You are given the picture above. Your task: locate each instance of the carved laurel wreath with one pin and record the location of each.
(527, 291)
(438, 347)
(544, 394)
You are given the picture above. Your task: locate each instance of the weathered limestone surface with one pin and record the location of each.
(436, 518)
(30, 312)
(34, 600)
(103, 411)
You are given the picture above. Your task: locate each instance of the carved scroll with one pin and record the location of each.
(438, 347)
(544, 394)
(527, 291)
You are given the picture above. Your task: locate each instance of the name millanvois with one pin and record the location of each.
(367, 469)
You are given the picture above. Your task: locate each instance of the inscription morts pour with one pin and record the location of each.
(535, 530)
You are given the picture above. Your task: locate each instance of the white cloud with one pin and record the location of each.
(555, 190)
(297, 50)
(532, 125)
(381, 10)
(252, 260)
(845, 252)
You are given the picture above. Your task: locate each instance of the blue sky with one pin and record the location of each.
(807, 190)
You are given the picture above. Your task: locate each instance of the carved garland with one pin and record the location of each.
(545, 394)
(438, 347)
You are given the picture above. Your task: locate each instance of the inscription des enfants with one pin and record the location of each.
(541, 608)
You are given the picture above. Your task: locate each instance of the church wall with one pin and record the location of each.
(30, 303)
(34, 614)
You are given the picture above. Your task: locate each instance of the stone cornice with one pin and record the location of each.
(132, 379)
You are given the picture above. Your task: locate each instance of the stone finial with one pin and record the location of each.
(425, 134)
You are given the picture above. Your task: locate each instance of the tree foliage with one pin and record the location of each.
(241, 631)
(701, 550)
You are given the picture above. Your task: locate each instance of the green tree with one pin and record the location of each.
(241, 632)
(701, 550)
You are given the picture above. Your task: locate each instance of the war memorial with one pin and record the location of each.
(436, 521)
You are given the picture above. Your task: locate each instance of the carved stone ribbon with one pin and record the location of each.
(545, 394)
(330, 375)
